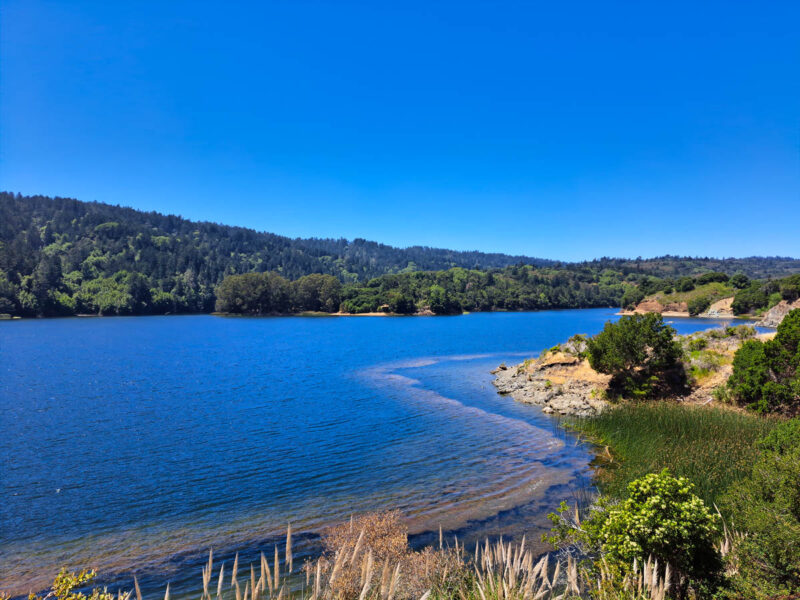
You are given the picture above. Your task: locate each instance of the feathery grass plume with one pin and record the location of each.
(369, 559)
(221, 578)
(207, 573)
(253, 589)
(235, 569)
(136, 587)
(289, 547)
(277, 570)
(265, 571)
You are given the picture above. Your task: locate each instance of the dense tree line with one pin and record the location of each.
(440, 292)
(520, 287)
(674, 267)
(266, 293)
(60, 256)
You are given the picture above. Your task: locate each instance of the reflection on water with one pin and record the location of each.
(135, 444)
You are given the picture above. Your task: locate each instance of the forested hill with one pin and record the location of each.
(754, 267)
(150, 242)
(64, 256)
(90, 249)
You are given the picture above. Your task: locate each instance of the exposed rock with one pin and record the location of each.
(676, 307)
(561, 383)
(720, 309)
(774, 316)
(647, 306)
(670, 308)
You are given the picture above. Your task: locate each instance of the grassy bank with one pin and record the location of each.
(713, 447)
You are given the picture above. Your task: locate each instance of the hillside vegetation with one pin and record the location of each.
(60, 256)
(695, 295)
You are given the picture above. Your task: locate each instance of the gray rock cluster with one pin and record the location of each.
(573, 398)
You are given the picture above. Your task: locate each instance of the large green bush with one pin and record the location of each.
(765, 375)
(766, 507)
(661, 518)
(632, 296)
(739, 281)
(640, 353)
(712, 277)
(749, 299)
(699, 305)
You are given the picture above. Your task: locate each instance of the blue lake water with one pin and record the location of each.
(135, 444)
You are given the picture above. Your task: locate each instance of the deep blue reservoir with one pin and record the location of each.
(135, 444)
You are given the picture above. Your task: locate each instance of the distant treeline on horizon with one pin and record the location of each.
(60, 256)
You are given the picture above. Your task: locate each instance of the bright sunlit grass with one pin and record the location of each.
(713, 447)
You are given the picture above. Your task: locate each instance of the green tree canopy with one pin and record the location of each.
(639, 352)
(766, 375)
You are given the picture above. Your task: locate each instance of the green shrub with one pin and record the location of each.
(65, 584)
(773, 299)
(766, 506)
(632, 296)
(661, 518)
(685, 284)
(699, 305)
(743, 332)
(640, 353)
(740, 281)
(790, 288)
(713, 276)
(749, 299)
(699, 343)
(765, 375)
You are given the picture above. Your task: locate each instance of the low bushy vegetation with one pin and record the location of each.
(766, 375)
(659, 518)
(766, 505)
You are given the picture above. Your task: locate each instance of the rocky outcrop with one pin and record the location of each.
(673, 308)
(559, 382)
(647, 306)
(774, 316)
(720, 309)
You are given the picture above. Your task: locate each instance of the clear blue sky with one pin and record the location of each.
(557, 129)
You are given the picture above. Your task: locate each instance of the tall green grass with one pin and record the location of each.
(713, 447)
